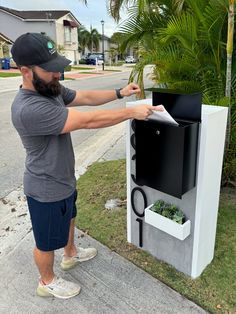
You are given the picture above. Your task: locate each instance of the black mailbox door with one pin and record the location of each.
(162, 154)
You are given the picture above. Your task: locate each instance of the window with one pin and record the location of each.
(67, 33)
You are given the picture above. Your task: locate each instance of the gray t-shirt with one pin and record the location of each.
(49, 166)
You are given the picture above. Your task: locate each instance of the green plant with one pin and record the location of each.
(68, 68)
(185, 41)
(169, 211)
(88, 39)
(82, 61)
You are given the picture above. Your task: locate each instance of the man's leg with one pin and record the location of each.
(70, 249)
(72, 256)
(44, 261)
(50, 285)
(50, 223)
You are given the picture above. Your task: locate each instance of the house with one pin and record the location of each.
(60, 26)
(107, 45)
(5, 42)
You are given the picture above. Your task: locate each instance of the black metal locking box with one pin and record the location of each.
(166, 154)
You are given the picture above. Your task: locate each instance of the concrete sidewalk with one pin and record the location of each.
(110, 284)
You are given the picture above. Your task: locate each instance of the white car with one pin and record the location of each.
(130, 59)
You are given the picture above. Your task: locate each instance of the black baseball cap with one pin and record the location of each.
(38, 49)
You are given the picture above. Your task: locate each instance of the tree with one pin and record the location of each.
(141, 6)
(117, 39)
(229, 49)
(186, 42)
(88, 39)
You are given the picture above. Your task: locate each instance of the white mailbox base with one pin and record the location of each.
(192, 252)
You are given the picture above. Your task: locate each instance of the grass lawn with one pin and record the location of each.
(4, 74)
(81, 68)
(215, 290)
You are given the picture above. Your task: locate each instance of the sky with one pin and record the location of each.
(88, 16)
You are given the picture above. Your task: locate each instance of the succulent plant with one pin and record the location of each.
(158, 206)
(170, 211)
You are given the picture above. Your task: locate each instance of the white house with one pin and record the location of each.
(60, 26)
(5, 42)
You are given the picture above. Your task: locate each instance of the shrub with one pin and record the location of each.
(67, 68)
(82, 61)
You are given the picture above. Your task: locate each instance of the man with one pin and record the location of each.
(42, 115)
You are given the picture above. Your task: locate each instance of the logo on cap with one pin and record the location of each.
(50, 45)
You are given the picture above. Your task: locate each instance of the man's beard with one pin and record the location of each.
(51, 89)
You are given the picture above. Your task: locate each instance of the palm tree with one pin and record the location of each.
(118, 39)
(231, 135)
(83, 36)
(88, 39)
(187, 47)
(229, 47)
(84, 1)
(141, 6)
(194, 37)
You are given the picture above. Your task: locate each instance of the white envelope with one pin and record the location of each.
(162, 116)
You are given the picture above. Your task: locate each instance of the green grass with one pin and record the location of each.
(215, 290)
(82, 68)
(4, 74)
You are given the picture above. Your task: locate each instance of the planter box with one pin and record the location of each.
(167, 225)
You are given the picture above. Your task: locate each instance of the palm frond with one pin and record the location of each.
(182, 29)
(140, 29)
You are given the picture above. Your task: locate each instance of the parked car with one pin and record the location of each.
(92, 59)
(130, 59)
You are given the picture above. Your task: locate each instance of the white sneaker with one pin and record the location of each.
(82, 256)
(58, 288)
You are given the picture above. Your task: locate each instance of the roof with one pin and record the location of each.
(39, 15)
(5, 38)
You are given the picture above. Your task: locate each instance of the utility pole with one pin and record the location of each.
(102, 22)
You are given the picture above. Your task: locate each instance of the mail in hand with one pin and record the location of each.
(162, 116)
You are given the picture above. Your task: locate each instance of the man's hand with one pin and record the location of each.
(130, 89)
(142, 112)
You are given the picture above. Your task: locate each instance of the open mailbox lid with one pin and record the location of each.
(180, 105)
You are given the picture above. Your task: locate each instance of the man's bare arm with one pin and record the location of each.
(103, 118)
(100, 97)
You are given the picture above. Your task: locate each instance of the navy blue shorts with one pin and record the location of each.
(51, 222)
